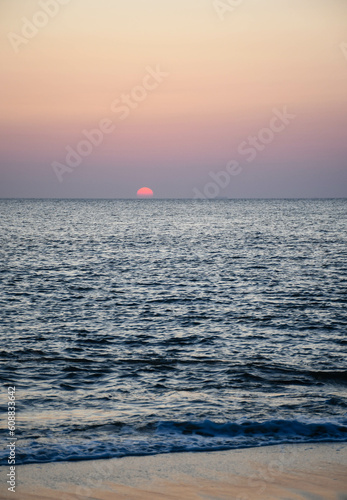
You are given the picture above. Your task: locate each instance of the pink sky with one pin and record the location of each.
(223, 78)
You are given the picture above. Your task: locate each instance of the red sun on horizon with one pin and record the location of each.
(145, 193)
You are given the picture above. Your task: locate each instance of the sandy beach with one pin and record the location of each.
(275, 472)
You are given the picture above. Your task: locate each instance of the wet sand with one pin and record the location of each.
(291, 472)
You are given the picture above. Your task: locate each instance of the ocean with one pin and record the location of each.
(133, 327)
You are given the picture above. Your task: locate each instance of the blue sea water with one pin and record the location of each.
(150, 326)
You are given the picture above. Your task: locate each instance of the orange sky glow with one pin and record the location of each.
(180, 90)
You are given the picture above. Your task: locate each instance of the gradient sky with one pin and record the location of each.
(225, 78)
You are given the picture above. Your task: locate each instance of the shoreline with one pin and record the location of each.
(296, 471)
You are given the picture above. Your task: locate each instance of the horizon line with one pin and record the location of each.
(174, 198)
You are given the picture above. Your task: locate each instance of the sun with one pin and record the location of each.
(145, 193)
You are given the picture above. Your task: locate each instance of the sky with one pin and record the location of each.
(191, 98)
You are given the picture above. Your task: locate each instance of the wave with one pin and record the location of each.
(120, 439)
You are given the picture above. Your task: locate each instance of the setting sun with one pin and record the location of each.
(145, 192)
